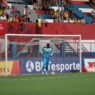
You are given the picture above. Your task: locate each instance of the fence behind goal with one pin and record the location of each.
(25, 50)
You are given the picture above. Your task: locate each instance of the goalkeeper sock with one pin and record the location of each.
(44, 70)
(46, 73)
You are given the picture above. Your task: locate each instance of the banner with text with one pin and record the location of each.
(58, 65)
(89, 65)
(13, 68)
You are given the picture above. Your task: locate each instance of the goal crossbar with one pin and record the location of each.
(41, 35)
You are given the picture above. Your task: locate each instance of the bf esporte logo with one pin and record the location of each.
(29, 66)
(60, 67)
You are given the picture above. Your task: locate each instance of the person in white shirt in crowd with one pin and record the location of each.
(8, 12)
(82, 20)
(27, 13)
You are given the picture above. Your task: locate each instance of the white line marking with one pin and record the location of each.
(45, 78)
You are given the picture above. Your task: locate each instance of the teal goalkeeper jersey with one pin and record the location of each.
(47, 52)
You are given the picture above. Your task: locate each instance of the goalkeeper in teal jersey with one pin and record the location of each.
(47, 53)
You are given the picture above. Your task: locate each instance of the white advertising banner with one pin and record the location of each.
(89, 65)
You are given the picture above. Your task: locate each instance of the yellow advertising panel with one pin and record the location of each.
(9, 67)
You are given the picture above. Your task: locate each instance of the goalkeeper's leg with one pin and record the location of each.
(45, 66)
(47, 63)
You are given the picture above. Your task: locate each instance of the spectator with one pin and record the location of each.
(1, 11)
(38, 24)
(56, 15)
(82, 20)
(14, 11)
(66, 15)
(3, 17)
(8, 13)
(93, 12)
(27, 13)
(5, 3)
(92, 3)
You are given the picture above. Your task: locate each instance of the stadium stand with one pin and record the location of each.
(79, 11)
(53, 10)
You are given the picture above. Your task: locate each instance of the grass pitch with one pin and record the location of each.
(59, 84)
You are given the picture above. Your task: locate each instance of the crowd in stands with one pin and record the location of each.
(12, 14)
(59, 14)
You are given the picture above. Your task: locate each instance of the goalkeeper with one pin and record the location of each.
(47, 53)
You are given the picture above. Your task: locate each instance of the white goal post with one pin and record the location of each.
(38, 36)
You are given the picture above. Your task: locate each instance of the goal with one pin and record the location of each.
(27, 49)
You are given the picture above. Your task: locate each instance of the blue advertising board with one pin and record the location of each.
(58, 65)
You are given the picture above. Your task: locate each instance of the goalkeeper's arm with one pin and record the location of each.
(51, 52)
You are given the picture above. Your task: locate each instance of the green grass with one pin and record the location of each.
(63, 84)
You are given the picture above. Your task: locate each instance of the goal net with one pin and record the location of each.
(25, 50)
